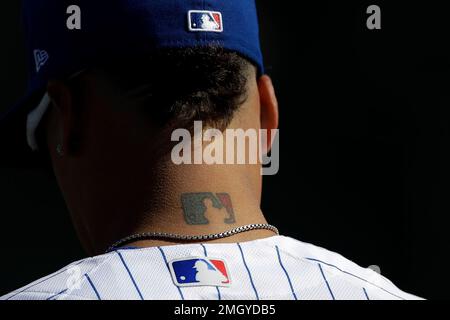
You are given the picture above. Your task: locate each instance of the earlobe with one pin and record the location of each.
(269, 108)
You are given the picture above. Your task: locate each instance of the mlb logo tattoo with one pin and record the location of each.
(199, 272)
(205, 21)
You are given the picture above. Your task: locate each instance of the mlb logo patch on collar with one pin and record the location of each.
(198, 272)
(205, 21)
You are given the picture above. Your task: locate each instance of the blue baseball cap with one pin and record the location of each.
(66, 36)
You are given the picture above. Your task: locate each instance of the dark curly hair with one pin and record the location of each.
(172, 88)
(181, 86)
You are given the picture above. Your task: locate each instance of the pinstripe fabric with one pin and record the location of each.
(273, 268)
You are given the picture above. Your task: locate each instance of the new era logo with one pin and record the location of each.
(196, 272)
(40, 58)
(205, 21)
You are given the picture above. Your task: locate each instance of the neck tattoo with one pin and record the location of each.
(195, 211)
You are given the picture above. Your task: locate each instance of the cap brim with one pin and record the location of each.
(15, 151)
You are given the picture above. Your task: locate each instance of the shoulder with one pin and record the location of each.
(341, 271)
(62, 282)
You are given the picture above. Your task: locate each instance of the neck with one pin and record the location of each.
(186, 200)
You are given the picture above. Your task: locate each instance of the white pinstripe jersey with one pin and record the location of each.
(273, 268)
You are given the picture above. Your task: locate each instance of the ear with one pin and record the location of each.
(62, 100)
(269, 108)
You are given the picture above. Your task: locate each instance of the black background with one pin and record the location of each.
(365, 143)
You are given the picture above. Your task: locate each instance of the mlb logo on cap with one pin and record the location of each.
(197, 272)
(205, 21)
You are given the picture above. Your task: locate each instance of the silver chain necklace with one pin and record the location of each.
(190, 238)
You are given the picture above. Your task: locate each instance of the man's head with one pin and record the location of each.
(109, 129)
